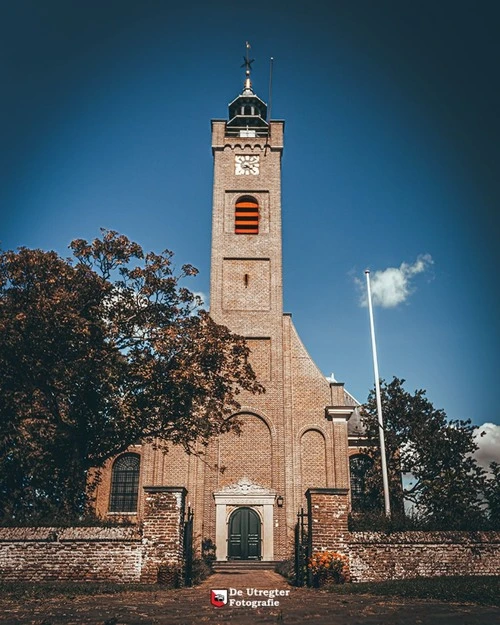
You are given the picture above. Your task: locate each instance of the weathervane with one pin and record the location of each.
(247, 64)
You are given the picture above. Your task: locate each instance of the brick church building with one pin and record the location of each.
(246, 489)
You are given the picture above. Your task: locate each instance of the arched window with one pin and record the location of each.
(125, 483)
(359, 465)
(246, 216)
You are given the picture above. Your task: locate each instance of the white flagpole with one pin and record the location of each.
(385, 478)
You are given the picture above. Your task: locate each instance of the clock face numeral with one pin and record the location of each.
(246, 165)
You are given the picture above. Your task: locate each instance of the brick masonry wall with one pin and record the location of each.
(250, 451)
(246, 284)
(260, 357)
(328, 510)
(99, 554)
(375, 556)
(313, 459)
(164, 508)
(77, 554)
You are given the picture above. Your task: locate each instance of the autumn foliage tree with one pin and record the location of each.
(492, 494)
(444, 482)
(98, 352)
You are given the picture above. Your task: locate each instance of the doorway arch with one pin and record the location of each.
(244, 539)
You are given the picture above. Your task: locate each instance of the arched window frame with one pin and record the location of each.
(246, 215)
(124, 490)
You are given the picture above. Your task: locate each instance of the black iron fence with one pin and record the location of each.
(302, 549)
(188, 548)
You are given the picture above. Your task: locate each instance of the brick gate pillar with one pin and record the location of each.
(328, 510)
(163, 530)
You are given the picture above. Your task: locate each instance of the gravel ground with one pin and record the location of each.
(192, 606)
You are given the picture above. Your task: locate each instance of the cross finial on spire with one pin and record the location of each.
(247, 64)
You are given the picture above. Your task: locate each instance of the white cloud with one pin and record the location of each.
(205, 300)
(487, 437)
(392, 286)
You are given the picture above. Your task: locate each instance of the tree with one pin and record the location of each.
(446, 482)
(492, 494)
(96, 353)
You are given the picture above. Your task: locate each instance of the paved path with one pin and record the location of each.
(190, 606)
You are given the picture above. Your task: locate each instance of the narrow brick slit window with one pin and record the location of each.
(246, 216)
(125, 484)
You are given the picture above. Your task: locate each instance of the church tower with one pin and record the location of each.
(246, 295)
(246, 272)
(245, 489)
(288, 442)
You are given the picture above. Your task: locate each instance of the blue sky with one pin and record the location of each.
(391, 156)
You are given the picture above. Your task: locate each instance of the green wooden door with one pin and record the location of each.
(244, 535)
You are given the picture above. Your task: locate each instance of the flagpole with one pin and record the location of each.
(385, 479)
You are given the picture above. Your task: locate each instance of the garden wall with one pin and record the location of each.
(375, 556)
(70, 554)
(100, 554)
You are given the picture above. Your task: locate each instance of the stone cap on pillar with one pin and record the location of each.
(326, 491)
(339, 414)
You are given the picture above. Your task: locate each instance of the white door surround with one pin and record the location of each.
(244, 493)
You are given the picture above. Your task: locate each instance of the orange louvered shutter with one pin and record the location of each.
(246, 216)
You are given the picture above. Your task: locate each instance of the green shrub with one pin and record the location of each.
(286, 568)
(484, 590)
(399, 522)
(208, 551)
(59, 520)
(201, 570)
(379, 522)
(41, 590)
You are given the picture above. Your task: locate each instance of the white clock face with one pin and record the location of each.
(246, 165)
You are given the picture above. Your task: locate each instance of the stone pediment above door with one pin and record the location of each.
(245, 491)
(244, 486)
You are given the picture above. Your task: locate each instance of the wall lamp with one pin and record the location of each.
(280, 501)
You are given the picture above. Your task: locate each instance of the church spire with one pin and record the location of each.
(247, 112)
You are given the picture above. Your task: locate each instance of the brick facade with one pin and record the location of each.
(288, 443)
